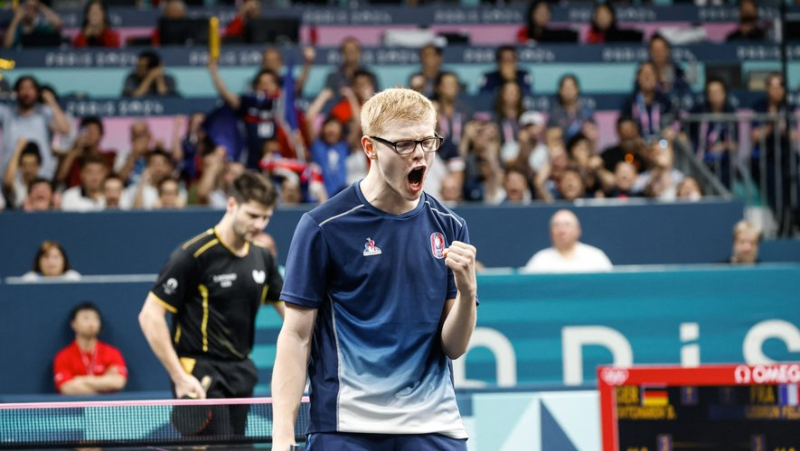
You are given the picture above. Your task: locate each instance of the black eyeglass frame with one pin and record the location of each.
(393, 145)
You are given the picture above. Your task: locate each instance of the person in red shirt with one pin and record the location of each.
(250, 9)
(88, 366)
(87, 144)
(361, 90)
(95, 31)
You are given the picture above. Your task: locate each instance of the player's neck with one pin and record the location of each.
(224, 231)
(86, 343)
(381, 196)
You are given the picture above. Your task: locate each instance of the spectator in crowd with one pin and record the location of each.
(571, 112)
(453, 112)
(87, 144)
(661, 179)
(604, 27)
(41, 196)
(672, 78)
(51, 263)
(62, 143)
(748, 28)
(533, 152)
(96, 31)
(113, 189)
(426, 80)
(568, 254)
(714, 138)
(149, 78)
(571, 185)
(508, 108)
(88, 366)
(630, 146)
(88, 196)
(33, 121)
(625, 177)
(451, 190)
(507, 71)
(349, 107)
(483, 175)
(357, 162)
(169, 194)
(22, 170)
(342, 76)
(172, 10)
(303, 181)
(187, 149)
(272, 60)
(329, 149)
(652, 110)
(588, 165)
(33, 19)
(746, 239)
(689, 189)
(548, 178)
(217, 178)
(144, 194)
(516, 186)
(537, 27)
(248, 10)
(130, 165)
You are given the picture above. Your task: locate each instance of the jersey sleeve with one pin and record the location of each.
(175, 278)
(462, 234)
(306, 266)
(62, 372)
(274, 283)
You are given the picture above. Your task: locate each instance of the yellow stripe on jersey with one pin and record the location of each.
(188, 364)
(197, 238)
(204, 325)
(177, 334)
(206, 247)
(246, 244)
(164, 303)
(264, 293)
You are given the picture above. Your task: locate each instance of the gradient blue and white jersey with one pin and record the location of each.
(380, 284)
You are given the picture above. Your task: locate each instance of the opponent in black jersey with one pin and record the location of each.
(213, 285)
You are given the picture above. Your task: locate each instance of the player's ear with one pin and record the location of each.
(369, 147)
(231, 206)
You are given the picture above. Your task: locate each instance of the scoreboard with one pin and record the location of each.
(713, 407)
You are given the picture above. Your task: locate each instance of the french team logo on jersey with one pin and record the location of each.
(437, 245)
(371, 249)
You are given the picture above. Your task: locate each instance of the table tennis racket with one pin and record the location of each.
(192, 420)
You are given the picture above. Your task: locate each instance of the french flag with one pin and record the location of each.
(787, 395)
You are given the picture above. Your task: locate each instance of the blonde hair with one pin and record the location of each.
(745, 226)
(396, 104)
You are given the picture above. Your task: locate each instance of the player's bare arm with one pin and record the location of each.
(460, 313)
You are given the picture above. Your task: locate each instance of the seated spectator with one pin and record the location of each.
(130, 165)
(144, 194)
(51, 263)
(21, 172)
(451, 190)
(516, 186)
(172, 10)
(357, 162)
(149, 78)
(548, 178)
(248, 10)
(508, 108)
(533, 151)
(571, 112)
(113, 188)
(507, 71)
(689, 189)
(272, 60)
(453, 112)
(87, 144)
(630, 147)
(33, 121)
(342, 76)
(483, 175)
(625, 177)
(169, 194)
(748, 28)
(88, 366)
(537, 29)
(661, 180)
(571, 186)
(96, 31)
(303, 181)
(568, 254)
(672, 78)
(652, 110)
(604, 27)
(588, 165)
(746, 239)
(217, 178)
(88, 196)
(41, 196)
(425, 81)
(33, 20)
(713, 138)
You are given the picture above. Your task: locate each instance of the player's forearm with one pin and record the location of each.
(156, 331)
(288, 381)
(459, 325)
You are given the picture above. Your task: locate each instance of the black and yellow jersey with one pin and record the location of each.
(214, 296)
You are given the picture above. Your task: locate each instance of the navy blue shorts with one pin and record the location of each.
(335, 441)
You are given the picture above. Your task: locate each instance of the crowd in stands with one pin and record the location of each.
(506, 155)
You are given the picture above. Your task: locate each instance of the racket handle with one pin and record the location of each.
(295, 448)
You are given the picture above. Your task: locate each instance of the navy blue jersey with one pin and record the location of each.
(380, 284)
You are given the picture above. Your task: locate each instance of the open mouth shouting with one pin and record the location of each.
(415, 178)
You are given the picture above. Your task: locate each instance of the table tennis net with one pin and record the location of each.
(128, 423)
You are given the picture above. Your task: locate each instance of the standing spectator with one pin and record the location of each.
(533, 151)
(483, 175)
(507, 71)
(87, 144)
(746, 240)
(571, 112)
(568, 254)
(113, 189)
(329, 150)
(51, 263)
(715, 139)
(88, 196)
(96, 31)
(62, 143)
(453, 113)
(652, 110)
(22, 170)
(88, 366)
(248, 10)
(217, 178)
(349, 107)
(272, 60)
(425, 81)
(748, 28)
(342, 76)
(32, 18)
(187, 150)
(149, 78)
(32, 121)
(629, 148)
(672, 79)
(41, 196)
(537, 26)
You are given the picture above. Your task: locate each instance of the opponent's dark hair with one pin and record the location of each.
(252, 186)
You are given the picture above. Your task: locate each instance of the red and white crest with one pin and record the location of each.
(437, 245)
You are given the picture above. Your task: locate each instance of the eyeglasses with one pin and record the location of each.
(406, 146)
